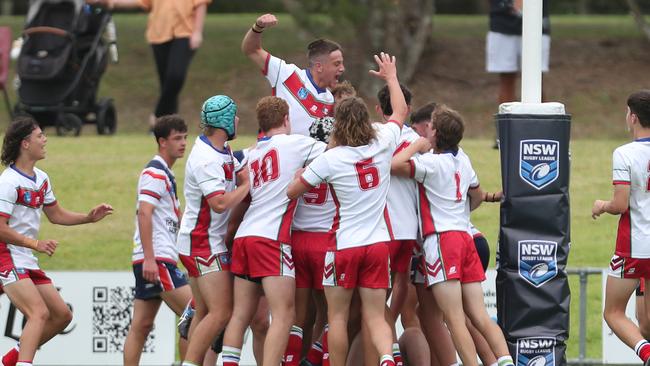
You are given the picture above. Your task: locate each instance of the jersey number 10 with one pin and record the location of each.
(265, 169)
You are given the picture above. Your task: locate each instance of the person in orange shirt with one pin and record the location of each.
(175, 32)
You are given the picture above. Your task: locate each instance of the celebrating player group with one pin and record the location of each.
(306, 235)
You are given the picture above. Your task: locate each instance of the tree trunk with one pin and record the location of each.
(639, 18)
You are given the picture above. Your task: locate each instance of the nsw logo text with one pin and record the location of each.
(537, 261)
(539, 162)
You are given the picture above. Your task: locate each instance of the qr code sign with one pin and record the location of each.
(112, 311)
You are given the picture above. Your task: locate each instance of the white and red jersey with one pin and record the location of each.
(157, 186)
(272, 164)
(443, 181)
(208, 172)
(306, 100)
(22, 198)
(631, 166)
(315, 210)
(358, 178)
(402, 196)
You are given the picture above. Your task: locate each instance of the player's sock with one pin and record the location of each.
(495, 364)
(642, 349)
(326, 352)
(505, 361)
(230, 356)
(315, 354)
(24, 363)
(397, 355)
(294, 347)
(387, 360)
(11, 358)
(185, 363)
(457, 364)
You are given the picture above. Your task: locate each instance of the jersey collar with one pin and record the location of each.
(160, 159)
(645, 139)
(311, 79)
(453, 152)
(263, 138)
(32, 178)
(205, 139)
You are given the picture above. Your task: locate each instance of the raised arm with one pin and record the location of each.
(251, 46)
(388, 72)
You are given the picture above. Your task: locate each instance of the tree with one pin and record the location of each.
(366, 27)
(639, 18)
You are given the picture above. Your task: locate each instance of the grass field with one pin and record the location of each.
(91, 169)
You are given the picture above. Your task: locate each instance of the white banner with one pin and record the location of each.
(615, 351)
(101, 303)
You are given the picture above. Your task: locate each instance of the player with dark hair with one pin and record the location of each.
(305, 90)
(421, 118)
(155, 256)
(631, 261)
(25, 192)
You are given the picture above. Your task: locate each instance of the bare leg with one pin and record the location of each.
(259, 327)
(280, 293)
(144, 314)
(617, 294)
(338, 307)
(26, 297)
(212, 292)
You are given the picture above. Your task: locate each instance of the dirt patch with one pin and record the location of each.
(592, 77)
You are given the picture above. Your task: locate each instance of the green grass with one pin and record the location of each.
(109, 168)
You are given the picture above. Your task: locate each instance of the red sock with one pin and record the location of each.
(315, 354)
(642, 349)
(11, 357)
(326, 351)
(294, 347)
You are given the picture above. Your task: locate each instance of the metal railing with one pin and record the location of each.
(584, 274)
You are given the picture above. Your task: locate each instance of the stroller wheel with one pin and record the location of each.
(68, 125)
(106, 117)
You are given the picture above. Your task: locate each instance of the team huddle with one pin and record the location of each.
(302, 237)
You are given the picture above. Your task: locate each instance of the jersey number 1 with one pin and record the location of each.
(265, 169)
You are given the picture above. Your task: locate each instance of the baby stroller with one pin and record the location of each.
(63, 57)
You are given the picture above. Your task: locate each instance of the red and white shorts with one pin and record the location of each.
(367, 266)
(13, 274)
(401, 252)
(198, 266)
(256, 257)
(451, 255)
(308, 250)
(627, 267)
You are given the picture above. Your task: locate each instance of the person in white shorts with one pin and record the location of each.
(503, 44)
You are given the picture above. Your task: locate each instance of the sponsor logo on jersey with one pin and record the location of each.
(537, 261)
(539, 162)
(535, 351)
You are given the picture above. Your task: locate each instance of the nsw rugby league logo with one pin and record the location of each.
(539, 163)
(536, 351)
(537, 261)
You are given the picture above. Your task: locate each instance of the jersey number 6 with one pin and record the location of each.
(367, 174)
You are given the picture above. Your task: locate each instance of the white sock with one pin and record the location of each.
(24, 363)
